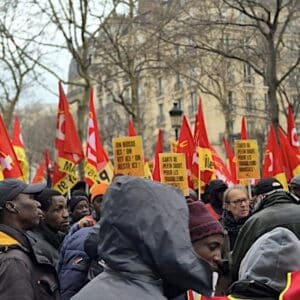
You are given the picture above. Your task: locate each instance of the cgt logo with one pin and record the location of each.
(6, 162)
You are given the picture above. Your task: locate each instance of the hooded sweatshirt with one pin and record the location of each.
(263, 270)
(144, 241)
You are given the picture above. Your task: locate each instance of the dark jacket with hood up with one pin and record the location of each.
(277, 208)
(25, 273)
(144, 240)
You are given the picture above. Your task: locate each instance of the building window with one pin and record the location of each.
(267, 102)
(251, 126)
(248, 74)
(161, 114)
(179, 103)
(160, 89)
(194, 102)
(230, 100)
(178, 82)
(249, 102)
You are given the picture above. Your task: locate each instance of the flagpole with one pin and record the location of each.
(249, 188)
(199, 175)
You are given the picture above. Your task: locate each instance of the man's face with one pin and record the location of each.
(238, 204)
(81, 210)
(57, 216)
(27, 209)
(97, 203)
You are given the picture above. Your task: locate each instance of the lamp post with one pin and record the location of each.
(175, 115)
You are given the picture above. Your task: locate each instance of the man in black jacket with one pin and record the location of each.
(276, 208)
(24, 272)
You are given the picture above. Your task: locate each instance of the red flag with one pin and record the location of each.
(292, 131)
(186, 145)
(244, 134)
(8, 159)
(291, 160)
(68, 147)
(273, 162)
(131, 130)
(292, 289)
(158, 149)
(40, 173)
(98, 167)
(19, 149)
(231, 159)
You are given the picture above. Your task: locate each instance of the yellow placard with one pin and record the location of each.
(128, 155)
(247, 159)
(173, 170)
(205, 159)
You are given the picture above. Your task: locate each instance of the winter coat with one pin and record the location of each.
(144, 239)
(232, 226)
(25, 273)
(263, 270)
(47, 240)
(73, 262)
(277, 209)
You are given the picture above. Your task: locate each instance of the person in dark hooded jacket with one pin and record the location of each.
(275, 208)
(144, 241)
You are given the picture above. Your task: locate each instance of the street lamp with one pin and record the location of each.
(175, 115)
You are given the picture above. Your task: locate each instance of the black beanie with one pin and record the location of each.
(75, 200)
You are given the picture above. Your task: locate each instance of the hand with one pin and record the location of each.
(85, 222)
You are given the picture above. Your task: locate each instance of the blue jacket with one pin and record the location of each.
(74, 262)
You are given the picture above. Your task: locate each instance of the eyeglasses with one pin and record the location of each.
(238, 201)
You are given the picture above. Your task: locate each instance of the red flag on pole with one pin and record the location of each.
(40, 173)
(244, 133)
(273, 162)
(231, 159)
(186, 145)
(131, 130)
(158, 149)
(292, 131)
(8, 159)
(68, 147)
(98, 167)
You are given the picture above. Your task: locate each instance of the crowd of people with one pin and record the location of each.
(141, 239)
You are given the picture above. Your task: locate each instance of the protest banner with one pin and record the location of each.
(128, 156)
(173, 170)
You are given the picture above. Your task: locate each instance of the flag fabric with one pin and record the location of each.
(18, 145)
(68, 147)
(231, 159)
(98, 167)
(292, 289)
(290, 158)
(131, 130)
(273, 163)
(186, 145)
(40, 173)
(8, 159)
(158, 149)
(292, 131)
(244, 133)
(48, 167)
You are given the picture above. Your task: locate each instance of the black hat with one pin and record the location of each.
(11, 188)
(75, 200)
(267, 185)
(217, 185)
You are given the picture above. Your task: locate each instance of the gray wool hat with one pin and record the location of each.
(11, 188)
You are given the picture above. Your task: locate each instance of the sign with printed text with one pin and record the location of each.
(128, 155)
(173, 170)
(247, 159)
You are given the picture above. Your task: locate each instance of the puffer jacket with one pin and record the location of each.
(278, 209)
(25, 273)
(144, 240)
(263, 270)
(73, 263)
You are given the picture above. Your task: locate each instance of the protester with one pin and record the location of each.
(236, 211)
(276, 208)
(49, 234)
(294, 185)
(207, 235)
(79, 207)
(263, 270)
(144, 241)
(25, 273)
(215, 193)
(74, 262)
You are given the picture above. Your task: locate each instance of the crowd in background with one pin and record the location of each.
(140, 239)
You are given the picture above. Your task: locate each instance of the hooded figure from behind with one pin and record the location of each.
(144, 241)
(263, 270)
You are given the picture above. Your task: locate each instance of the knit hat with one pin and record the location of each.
(98, 190)
(201, 223)
(267, 185)
(75, 200)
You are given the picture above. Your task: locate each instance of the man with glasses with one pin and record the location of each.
(236, 211)
(24, 272)
(275, 208)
